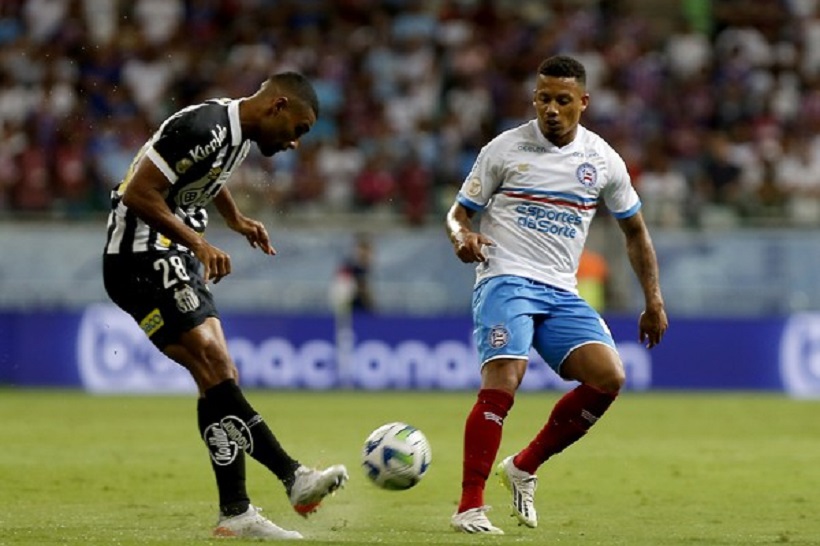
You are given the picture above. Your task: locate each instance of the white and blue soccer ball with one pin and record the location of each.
(396, 456)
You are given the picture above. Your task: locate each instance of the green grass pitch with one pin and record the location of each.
(660, 469)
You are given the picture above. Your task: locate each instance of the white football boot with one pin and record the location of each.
(474, 521)
(310, 486)
(522, 486)
(252, 524)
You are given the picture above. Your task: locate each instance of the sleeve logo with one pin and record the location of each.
(183, 165)
(474, 187)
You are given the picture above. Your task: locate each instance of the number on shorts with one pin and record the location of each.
(173, 270)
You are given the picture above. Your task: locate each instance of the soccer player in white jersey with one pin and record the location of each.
(536, 188)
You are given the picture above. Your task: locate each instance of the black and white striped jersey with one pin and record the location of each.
(197, 149)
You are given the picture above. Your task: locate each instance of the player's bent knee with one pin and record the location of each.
(611, 381)
(503, 374)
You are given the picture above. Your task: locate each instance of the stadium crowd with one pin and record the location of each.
(714, 106)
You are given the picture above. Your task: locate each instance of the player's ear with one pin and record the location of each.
(584, 101)
(279, 104)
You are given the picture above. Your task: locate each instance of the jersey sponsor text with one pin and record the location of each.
(548, 220)
(198, 153)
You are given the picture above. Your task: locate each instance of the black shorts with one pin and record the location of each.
(163, 291)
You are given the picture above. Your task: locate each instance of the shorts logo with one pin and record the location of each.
(152, 322)
(187, 300)
(587, 174)
(226, 438)
(498, 337)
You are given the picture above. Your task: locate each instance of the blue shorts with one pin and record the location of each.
(512, 315)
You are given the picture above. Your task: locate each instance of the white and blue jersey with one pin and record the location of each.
(537, 201)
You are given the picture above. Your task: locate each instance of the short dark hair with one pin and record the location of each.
(561, 66)
(299, 86)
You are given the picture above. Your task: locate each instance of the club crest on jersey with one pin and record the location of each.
(499, 337)
(183, 165)
(587, 174)
(186, 299)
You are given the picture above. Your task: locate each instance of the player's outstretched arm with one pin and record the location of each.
(653, 321)
(253, 230)
(468, 245)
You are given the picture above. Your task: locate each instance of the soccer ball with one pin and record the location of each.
(396, 456)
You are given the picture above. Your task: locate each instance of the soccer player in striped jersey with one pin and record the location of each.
(157, 265)
(536, 189)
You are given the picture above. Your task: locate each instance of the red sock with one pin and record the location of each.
(570, 419)
(482, 437)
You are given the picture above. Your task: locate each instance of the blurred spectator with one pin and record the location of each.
(797, 175)
(663, 189)
(159, 19)
(769, 201)
(375, 183)
(688, 51)
(102, 18)
(32, 191)
(339, 163)
(72, 177)
(44, 17)
(12, 144)
(308, 188)
(414, 182)
(351, 289)
(148, 73)
(720, 179)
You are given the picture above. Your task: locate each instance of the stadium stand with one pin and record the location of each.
(714, 105)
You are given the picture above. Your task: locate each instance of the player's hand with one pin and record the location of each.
(652, 325)
(469, 247)
(255, 232)
(217, 262)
